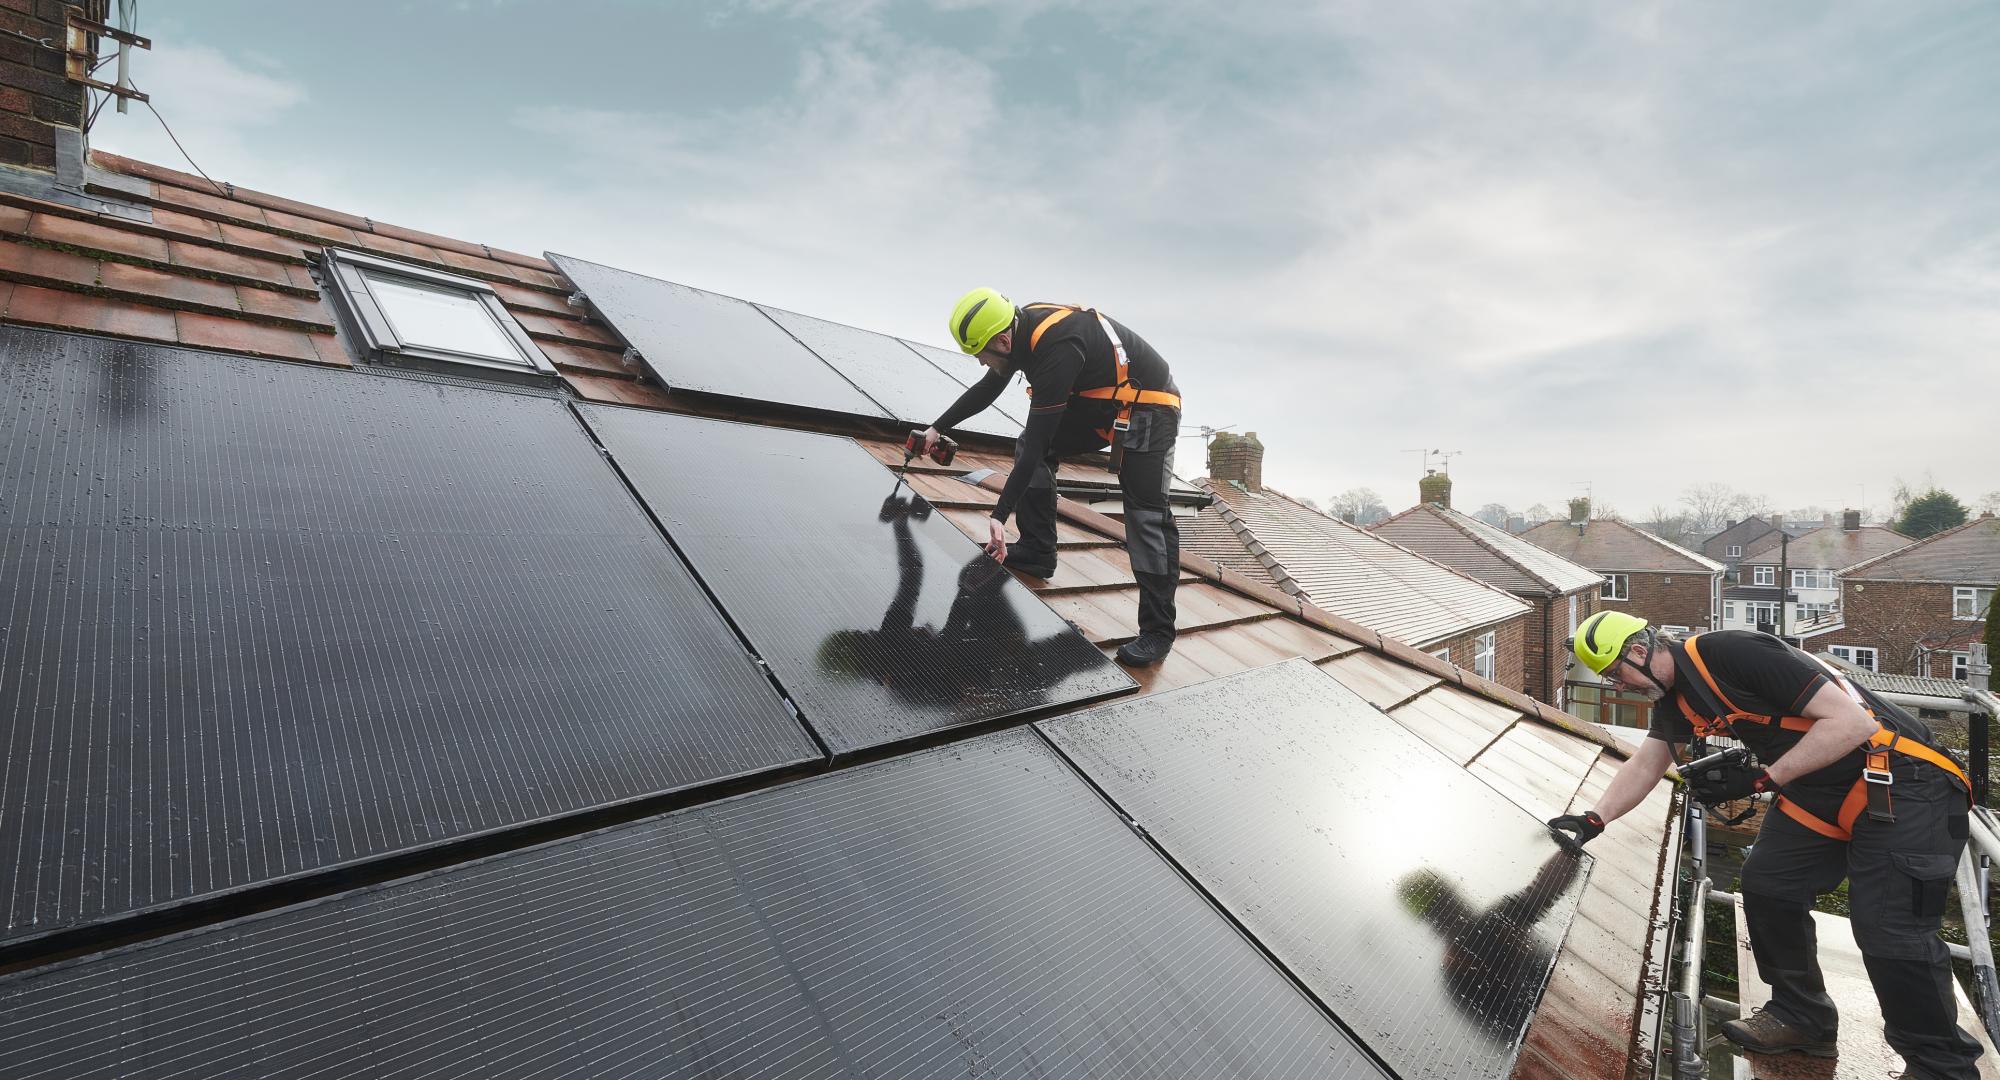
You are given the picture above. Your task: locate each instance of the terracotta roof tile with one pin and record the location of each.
(64, 310)
(1495, 556)
(258, 239)
(186, 224)
(176, 289)
(47, 266)
(1967, 555)
(95, 237)
(235, 335)
(14, 219)
(616, 391)
(1604, 544)
(1827, 548)
(570, 330)
(285, 306)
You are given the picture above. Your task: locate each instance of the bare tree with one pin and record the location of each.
(1310, 504)
(1989, 503)
(1536, 514)
(1494, 514)
(1358, 506)
(1674, 528)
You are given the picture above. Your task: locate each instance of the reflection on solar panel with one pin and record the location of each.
(882, 622)
(695, 340)
(973, 910)
(906, 385)
(1420, 905)
(258, 619)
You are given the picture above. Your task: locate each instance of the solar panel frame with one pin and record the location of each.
(1420, 906)
(913, 390)
(692, 339)
(880, 620)
(974, 908)
(266, 621)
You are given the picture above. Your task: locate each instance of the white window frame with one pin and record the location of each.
(1674, 629)
(1753, 608)
(1967, 603)
(1729, 611)
(1443, 654)
(1806, 613)
(347, 276)
(1853, 655)
(1763, 575)
(1615, 587)
(1482, 655)
(1812, 579)
(1735, 551)
(1961, 666)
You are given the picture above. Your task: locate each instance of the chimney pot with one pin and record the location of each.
(1435, 489)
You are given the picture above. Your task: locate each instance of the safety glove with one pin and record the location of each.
(1729, 781)
(1575, 830)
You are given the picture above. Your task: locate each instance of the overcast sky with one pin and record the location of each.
(1639, 246)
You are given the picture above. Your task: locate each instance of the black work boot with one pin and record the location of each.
(1145, 650)
(1763, 1033)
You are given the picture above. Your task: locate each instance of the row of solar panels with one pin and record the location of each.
(973, 910)
(696, 340)
(257, 620)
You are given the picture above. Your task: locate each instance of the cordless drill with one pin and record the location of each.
(942, 453)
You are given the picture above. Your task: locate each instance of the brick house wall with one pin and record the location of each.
(1545, 642)
(1509, 639)
(1681, 598)
(1891, 617)
(34, 95)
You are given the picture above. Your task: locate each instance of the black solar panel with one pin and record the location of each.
(906, 384)
(696, 340)
(882, 622)
(1420, 905)
(973, 910)
(258, 619)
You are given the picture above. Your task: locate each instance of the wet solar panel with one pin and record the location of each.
(907, 385)
(696, 340)
(258, 619)
(973, 910)
(1422, 907)
(881, 620)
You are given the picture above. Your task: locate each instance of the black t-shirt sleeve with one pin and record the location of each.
(1668, 725)
(1052, 380)
(1776, 680)
(975, 399)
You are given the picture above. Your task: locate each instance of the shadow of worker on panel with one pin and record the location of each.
(1495, 959)
(979, 663)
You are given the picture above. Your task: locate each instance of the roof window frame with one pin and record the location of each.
(346, 275)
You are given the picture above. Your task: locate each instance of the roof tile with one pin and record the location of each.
(14, 219)
(1966, 555)
(235, 335)
(95, 237)
(203, 203)
(1827, 548)
(179, 289)
(332, 234)
(244, 236)
(277, 305)
(1606, 544)
(218, 261)
(1495, 556)
(37, 306)
(26, 262)
(186, 224)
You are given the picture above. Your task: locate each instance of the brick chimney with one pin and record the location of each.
(39, 107)
(1236, 459)
(1435, 489)
(1850, 521)
(1777, 521)
(1579, 510)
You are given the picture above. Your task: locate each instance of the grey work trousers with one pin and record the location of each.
(1898, 875)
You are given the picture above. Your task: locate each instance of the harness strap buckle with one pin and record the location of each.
(1878, 776)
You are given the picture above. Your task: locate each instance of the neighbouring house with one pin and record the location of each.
(1727, 547)
(1355, 573)
(1802, 574)
(1917, 610)
(402, 626)
(1559, 593)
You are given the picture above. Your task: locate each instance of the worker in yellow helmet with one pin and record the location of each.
(1861, 794)
(1096, 385)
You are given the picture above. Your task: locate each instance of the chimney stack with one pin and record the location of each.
(1826, 522)
(1236, 459)
(40, 109)
(1850, 521)
(1579, 510)
(1435, 489)
(1777, 521)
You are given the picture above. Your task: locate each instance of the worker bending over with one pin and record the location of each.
(1094, 384)
(1861, 794)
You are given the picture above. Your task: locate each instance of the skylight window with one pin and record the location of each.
(409, 315)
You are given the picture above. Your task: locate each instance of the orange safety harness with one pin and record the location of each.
(1870, 793)
(1125, 391)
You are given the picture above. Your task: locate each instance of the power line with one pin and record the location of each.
(177, 145)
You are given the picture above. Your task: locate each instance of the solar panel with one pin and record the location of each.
(909, 387)
(881, 621)
(973, 910)
(1422, 907)
(258, 619)
(696, 340)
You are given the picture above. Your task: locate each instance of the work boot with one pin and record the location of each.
(1762, 1033)
(1145, 650)
(1044, 571)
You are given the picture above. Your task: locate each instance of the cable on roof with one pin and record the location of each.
(177, 145)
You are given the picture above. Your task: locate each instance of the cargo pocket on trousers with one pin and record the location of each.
(1930, 881)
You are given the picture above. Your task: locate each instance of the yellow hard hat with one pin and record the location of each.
(980, 314)
(1601, 639)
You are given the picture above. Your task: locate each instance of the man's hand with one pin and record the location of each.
(930, 440)
(1728, 782)
(1575, 830)
(996, 539)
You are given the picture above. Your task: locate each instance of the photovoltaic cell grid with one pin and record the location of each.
(259, 619)
(904, 383)
(881, 621)
(1422, 907)
(973, 910)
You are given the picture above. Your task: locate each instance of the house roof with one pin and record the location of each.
(1604, 544)
(1743, 532)
(1967, 555)
(1494, 556)
(1359, 575)
(228, 271)
(1207, 534)
(1828, 547)
(1884, 682)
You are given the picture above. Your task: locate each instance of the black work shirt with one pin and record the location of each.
(1075, 354)
(1763, 675)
